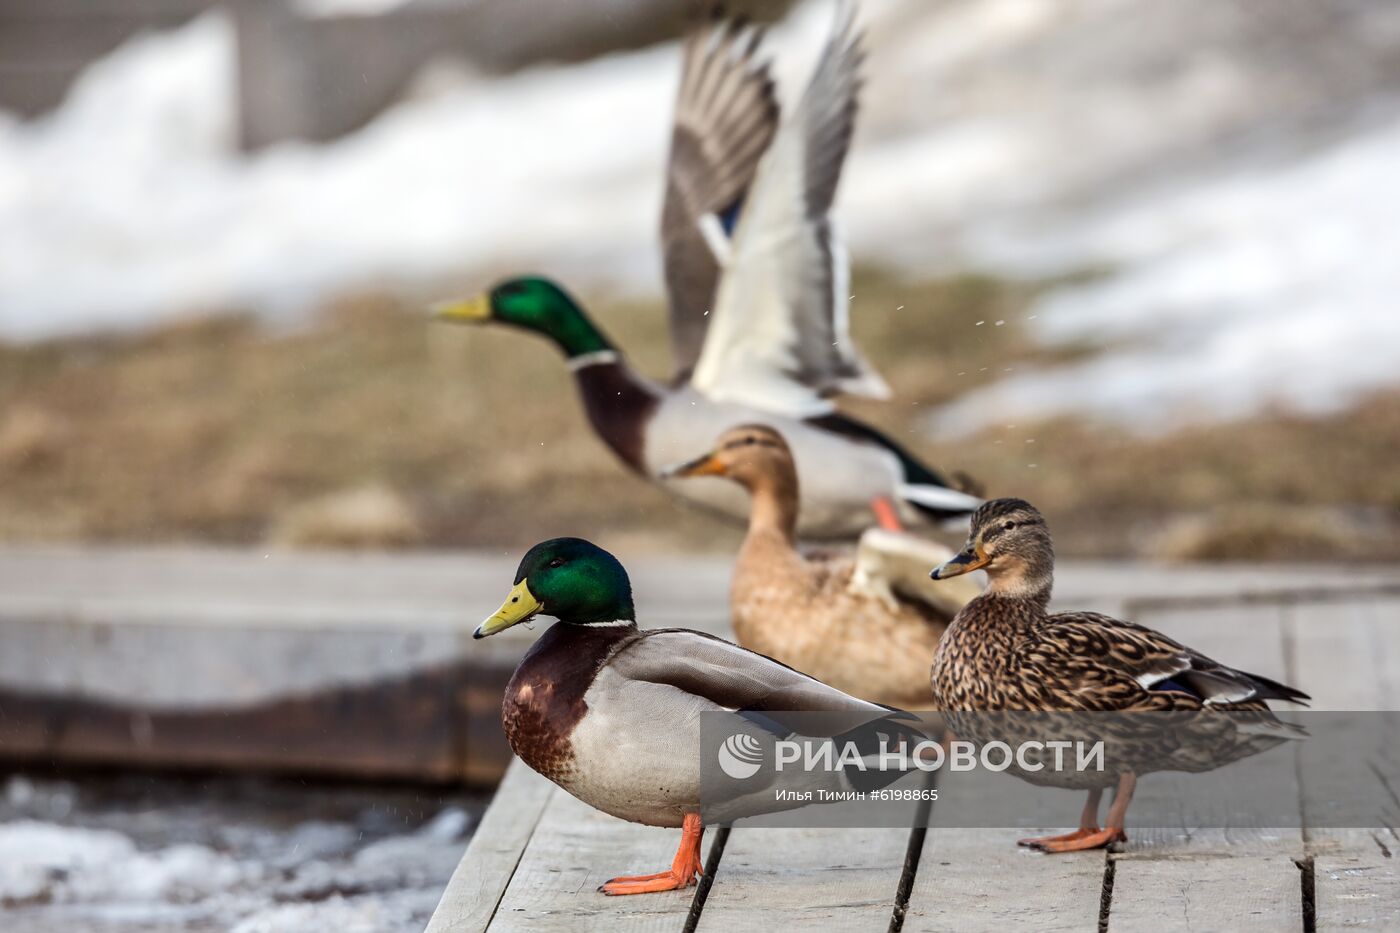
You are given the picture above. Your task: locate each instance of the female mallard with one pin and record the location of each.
(759, 321)
(800, 608)
(1004, 652)
(602, 708)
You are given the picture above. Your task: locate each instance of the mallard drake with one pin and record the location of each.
(601, 707)
(1004, 652)
(757, 286)
(799, 608)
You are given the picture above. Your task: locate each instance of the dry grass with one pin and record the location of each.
(1264, 533)
(364, 518)
(222, 431)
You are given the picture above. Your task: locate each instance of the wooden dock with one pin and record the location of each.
(539, 854)
(357, 666)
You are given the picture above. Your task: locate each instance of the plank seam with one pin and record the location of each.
(1288, 636)
(917, 836)
(1308, 888)
(913, 853)
(707, 880)
(1110, 867)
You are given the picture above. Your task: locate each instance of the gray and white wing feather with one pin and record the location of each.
(725, 117)
(779, 338)
(731, 677)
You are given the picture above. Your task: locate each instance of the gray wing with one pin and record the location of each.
(780, 337)
(735, 678)
(726, 115)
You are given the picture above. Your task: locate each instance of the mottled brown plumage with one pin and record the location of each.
(1005, 652)
(849, 620)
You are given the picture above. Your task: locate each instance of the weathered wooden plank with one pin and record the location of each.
(1160, 585)
(1193, 878)
(1225, 894)
(475, 890)
(828, 879)
(1249, 637)
(1347, 654)
(438, 724)
(439, 589)
(1348, 657)
(352, 665)
(574, 849)
(1357, 889)
(978, 880)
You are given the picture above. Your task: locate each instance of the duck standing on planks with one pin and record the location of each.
(757, 281)
(866, 623)
(609, 712)
(1004, 652)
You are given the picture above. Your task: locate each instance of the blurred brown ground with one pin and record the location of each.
(372, 427)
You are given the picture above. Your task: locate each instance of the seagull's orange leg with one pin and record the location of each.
(1127, 783)
(684, 867)
(886, 514)
(1088, 824)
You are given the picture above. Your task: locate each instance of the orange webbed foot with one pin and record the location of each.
(1036, 842)
(682, 873)
(647, 884)
(1096, 839)
(669, 880)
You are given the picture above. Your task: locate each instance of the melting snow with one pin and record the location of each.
(992, 137)
(248, 870)
(1269, 288)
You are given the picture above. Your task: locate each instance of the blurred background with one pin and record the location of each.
(1131, 260)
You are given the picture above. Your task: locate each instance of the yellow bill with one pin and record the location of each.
(471, 310)
(520, 606)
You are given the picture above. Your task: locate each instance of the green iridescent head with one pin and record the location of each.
(569, 578)
(533, 303)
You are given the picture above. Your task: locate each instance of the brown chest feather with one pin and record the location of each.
(544, 700)
(978, 664)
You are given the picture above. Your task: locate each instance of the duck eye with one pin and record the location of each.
(1008, 526)
(557, 562)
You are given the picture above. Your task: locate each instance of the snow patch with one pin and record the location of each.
(1272, 288)
(130, 205)
(998, 135)
(62, 863)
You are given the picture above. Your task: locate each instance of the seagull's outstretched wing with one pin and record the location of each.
(726, 115)
(779, 338)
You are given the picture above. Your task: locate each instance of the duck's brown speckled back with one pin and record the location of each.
(1006, 653)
